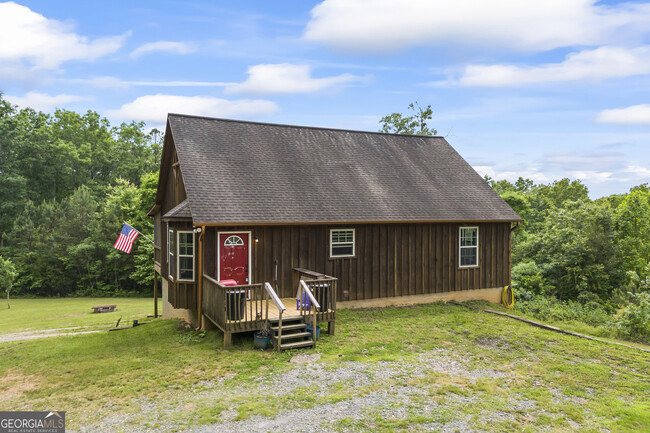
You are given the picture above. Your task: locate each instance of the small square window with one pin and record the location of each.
(342, 243)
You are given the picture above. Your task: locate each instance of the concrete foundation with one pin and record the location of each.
(491, 295)
(169, 312)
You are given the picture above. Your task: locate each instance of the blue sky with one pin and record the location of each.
(545, 90)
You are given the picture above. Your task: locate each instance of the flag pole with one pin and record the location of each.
(144, 236)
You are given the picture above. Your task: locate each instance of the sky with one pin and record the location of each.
(539, 89)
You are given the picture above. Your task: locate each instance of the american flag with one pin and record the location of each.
(125, 240)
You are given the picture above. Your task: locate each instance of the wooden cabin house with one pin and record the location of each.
(291, 214)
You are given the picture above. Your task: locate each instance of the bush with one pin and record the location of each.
(549, 308)
(527, 280)
(633, 321)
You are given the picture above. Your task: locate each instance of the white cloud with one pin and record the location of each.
(598, 64)
(592, 176)
(29, 40)
(116, 83)
(635, 114)
(162, 46)
(531, 25)
(638, 172)
(528, 173)
(286, 78)
(154, 108)
(42, 101)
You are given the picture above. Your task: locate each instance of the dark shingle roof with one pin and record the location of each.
(245, 172)
(182, 210)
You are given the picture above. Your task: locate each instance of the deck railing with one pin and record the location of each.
(235, 308)
(309, 307)
(281, 309)
(324, 292)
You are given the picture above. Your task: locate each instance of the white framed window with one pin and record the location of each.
(342, 243)
(185, 255)
(171, 248)
(468, 247)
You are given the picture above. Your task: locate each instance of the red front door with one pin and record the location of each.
(233, 257)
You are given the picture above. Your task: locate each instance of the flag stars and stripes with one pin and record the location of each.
(125, 239)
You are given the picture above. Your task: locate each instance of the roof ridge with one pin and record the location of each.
(284, 125)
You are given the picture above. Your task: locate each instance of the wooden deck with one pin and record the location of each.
(250, 307)
(290, 313)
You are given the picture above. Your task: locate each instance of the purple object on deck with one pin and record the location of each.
(304, 304)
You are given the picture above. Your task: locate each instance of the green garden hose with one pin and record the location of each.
(508, 297)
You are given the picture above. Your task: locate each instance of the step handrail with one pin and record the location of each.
(281, 308)
(312, 299)
(274, 296)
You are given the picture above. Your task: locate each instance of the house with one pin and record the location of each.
(361, 218)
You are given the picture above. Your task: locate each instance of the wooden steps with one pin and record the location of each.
(297, 345)
(294, 334)
(289, 327)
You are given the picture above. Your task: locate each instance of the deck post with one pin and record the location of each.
(279, 347)
(331, 327)
(227, 340)
(155, 294)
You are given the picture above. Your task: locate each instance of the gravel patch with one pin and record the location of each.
(361, 391)
(33, 335)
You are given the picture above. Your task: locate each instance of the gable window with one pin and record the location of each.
(468, 247)
(185, 256)
(171, 247)
(342, 243)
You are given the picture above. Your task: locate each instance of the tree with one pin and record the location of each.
(397, 123)
(633, 227)
(8, 275)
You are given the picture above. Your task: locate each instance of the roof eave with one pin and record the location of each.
(288, 223)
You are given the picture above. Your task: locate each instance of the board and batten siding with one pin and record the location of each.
(180, 294)
(391, 259)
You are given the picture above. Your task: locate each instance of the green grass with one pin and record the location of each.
(542, 381)
(51, 313)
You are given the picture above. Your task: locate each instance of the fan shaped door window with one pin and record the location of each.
(234, 257)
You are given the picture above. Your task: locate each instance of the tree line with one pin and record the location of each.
(580, 259)
(67, 182)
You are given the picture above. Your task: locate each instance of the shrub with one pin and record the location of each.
(633, 321)
(527, 280)
(550, 308)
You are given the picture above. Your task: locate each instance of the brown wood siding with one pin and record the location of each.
(391, 259)
(181, 294)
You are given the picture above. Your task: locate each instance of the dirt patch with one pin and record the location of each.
(305, 358)
(493, 343)
(15, 384)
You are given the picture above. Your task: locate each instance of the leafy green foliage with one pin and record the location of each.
(416, 124)
(549, 308)
(67, 183)
(8, 275)
(575, 259)
(633, 321)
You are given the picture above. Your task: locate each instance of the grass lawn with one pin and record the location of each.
(429, 367)
(57, 313)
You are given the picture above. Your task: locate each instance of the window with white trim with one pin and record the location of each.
(468, 246)
(185, 256)
(342, 243)
(171, 250)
